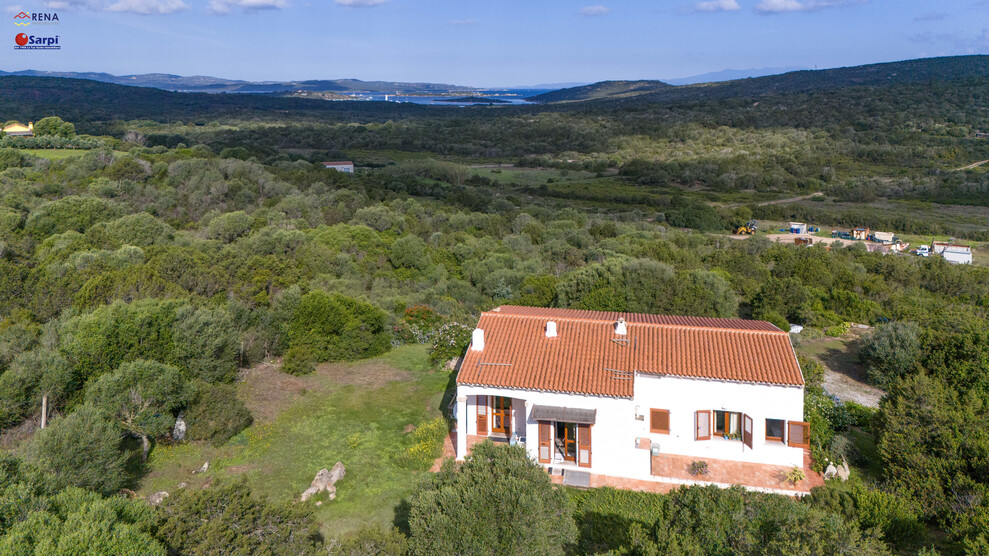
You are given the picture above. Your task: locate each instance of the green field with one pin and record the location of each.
(354, 413)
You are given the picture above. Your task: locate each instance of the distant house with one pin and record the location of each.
(860, 233)
(340, 166)
(885, 238)
(798, 228)
(20, 130)
(954, 253)
(628, 400)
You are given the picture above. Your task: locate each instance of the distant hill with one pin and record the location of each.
(909, 71)
(208, 84)
(602, 90)
(731, 74)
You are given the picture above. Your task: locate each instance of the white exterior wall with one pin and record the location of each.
(957, 257)
(683, 397)
(614, 433)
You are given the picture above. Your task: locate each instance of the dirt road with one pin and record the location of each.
(972, 165)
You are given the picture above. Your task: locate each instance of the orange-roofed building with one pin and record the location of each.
(624, 396)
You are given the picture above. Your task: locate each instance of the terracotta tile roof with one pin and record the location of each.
(587, 357)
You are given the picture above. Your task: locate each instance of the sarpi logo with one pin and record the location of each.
(23, 41)
(38, 18)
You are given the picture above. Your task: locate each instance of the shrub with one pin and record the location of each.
(334, 328)
(82, 450)
(450, 341)
(795, 475)
(215, 413)
(228, 519)
(298, 361)
(889, 351)
(499, 501)
(372, 542)
(425, 444)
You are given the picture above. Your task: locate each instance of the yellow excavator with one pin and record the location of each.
(747, 229)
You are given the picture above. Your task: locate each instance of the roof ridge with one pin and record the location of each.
(640, 323)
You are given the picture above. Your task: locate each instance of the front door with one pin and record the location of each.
(566, 440)
(501, 415)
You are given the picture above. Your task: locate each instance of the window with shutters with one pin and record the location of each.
(798, 434)
(774, 430)
(659, 421)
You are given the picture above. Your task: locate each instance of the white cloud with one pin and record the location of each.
(14, 9)
(717, 6)
(360, 3)
(785, 6)
(463, 22)
(148, 7)
(222, 7)
(594, 10)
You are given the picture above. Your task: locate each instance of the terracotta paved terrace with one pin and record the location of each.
(670, 471)
(676, 469)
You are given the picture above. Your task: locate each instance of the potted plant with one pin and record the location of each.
(796, 475)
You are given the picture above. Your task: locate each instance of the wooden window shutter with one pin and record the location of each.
(702, 425)
(659, 421)
(747, 431)
(798, 434)
(583, 445)
(545, 442)
(482, 415)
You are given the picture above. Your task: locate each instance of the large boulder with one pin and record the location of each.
(325, 480)
(157, 498)
(178, 432)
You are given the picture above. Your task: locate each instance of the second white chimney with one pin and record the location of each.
(551, 329)
(620, 327)
(477, 340)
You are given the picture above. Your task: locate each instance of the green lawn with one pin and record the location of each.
(354, 413)
(55, 154)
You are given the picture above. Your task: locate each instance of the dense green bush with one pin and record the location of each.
(890, 351)
(81, 449)
(215, 413)
(298, 361)
(228, 519)
(333, 327)
(497, 502)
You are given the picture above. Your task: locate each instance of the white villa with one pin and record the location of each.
(340, 166)
(617, 398)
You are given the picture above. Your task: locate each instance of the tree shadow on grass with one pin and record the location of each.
(845, 361)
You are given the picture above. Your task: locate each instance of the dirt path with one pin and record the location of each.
(844, 376)
(788, 238)
(790, 200)
(972, 165)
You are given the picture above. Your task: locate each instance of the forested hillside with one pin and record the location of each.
(190, 255)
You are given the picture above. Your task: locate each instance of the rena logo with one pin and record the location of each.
(39, 18)
(21, 39)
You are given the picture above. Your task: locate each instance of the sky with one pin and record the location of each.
(489, 43)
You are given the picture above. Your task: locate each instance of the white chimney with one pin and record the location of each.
(551, 329)
(620, 327)
(477, 340)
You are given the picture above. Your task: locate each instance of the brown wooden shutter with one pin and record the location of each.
(798, 434)
(747, 430)
(702, 425)
(482, 415)
(545, 442)
(583, 445)
(659, 421)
